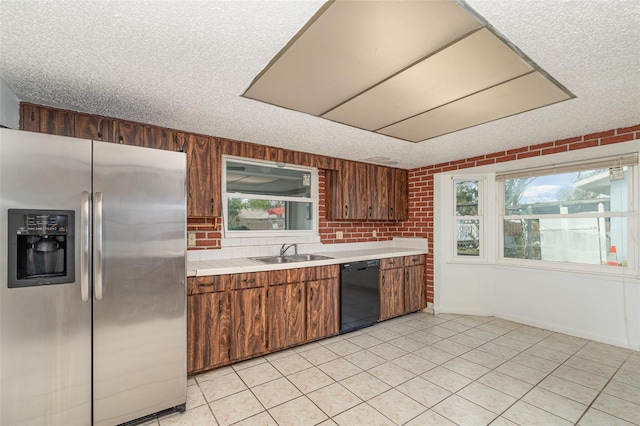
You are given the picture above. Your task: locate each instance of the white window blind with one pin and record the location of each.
(600, 163)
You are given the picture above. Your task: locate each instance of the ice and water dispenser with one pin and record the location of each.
(41, 247)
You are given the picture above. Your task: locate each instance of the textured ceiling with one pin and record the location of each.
(184, 64)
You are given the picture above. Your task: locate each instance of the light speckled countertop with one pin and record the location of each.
(240, 265)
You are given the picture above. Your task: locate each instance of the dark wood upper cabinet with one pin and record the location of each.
(378, 185)
(359, 191)
(29, 117)
(347, 188)
(203, 181)
(56, 122)
(46, 120)
(356, 191)
(130, 133)
(93, 127)
(160, 138)
(399, 195)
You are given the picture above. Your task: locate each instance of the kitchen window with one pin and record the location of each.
(581, 214)
(267, 198)
(469, 226)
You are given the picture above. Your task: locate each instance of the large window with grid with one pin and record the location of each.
(579, 214)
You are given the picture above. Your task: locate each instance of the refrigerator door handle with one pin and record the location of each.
(97, 245)
(84, 247)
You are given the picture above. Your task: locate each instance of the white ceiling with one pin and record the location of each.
(184, 65)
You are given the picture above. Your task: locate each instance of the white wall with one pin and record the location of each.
(9, 107)
(598, 306)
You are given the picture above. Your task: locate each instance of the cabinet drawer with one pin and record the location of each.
(209, 284)
(391, 263)
(248, 280)
(417, 259)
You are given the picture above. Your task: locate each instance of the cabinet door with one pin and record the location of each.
(353, 188)
(200, 189)
(130, 133)
(29, 117)
(399, 195)
(378, 180)
(93, 127)
(56, 122)
(286, 315)
(323, 308)
(415, 297)
(208, 330)
(160, 138)
(248, 322)
(391, 293)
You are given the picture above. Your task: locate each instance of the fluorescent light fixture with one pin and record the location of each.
(413, 70)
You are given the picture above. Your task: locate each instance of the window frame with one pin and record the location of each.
(631, 215)
(313, 199)
(481, 217)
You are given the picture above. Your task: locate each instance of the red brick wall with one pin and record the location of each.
(208, 232)
(420, 221)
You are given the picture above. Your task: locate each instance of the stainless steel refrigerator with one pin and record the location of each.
(92, 281)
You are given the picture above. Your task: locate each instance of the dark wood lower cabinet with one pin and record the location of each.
(239, 316)
(286, 315)
(415, 290)
(391, 293)
(248, 322)
(208, 330)
(323, 308)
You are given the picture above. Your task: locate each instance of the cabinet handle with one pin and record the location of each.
(252, 280)
(206, 285)
(299, 295)
(99, 135)
(120, 139)
(260, 301)
(346, 211)
(211, 205)
(219, 307)
(370, 211)
(383, 279)
(391, 211)
(311, 291)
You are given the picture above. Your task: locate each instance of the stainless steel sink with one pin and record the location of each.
(290, 258)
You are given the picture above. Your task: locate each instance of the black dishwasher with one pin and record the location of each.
(359, 296)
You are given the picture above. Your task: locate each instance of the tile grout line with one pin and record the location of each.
(602, 390)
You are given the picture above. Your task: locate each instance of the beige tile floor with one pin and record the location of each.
(422, 369)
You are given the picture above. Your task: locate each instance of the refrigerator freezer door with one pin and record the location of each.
(45, 331)
(140, 320)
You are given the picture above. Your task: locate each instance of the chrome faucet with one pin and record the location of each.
(284, 249)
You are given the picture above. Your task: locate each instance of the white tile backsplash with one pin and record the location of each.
(253, 247)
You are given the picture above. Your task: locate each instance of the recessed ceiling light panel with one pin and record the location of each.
(413, 70)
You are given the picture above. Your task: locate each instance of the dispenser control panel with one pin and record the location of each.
(43, 224)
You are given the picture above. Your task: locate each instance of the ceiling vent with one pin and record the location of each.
(412, 70)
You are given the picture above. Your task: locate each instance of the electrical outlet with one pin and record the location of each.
(191, 239)
(339, 235)
(375, 233)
